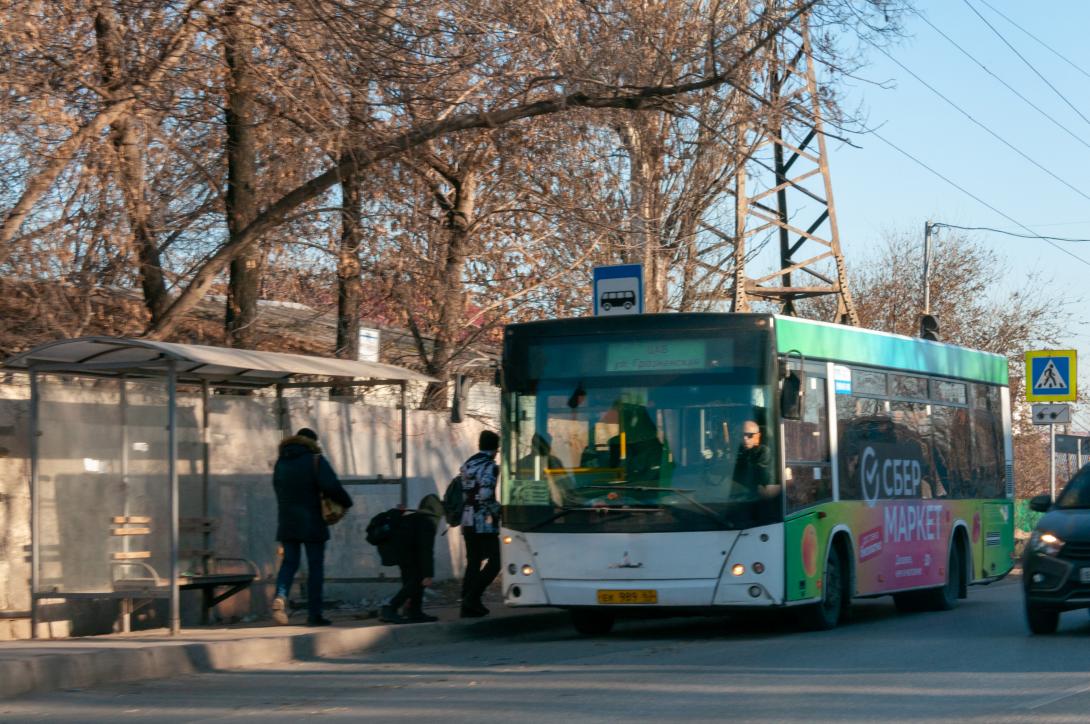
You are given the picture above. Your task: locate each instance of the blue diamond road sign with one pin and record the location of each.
(1050, 375)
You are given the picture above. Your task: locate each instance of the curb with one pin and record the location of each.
(41, 672)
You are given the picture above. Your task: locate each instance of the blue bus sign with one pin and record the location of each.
(618, 290)
(1050, 375)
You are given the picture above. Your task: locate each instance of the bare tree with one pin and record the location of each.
(534, 98)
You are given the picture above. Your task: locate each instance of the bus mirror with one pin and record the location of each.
(791, 396)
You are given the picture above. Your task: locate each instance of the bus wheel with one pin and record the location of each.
(945, 598)
(592, 623)
(628, 305)
(825, 614)
(606, 307)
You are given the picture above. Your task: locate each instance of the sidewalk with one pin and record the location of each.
(37, 666)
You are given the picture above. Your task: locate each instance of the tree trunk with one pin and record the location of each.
(349, 281)
(128, 143)
(241, 197)
(450, 292)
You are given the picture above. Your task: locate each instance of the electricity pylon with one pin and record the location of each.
(799, 182)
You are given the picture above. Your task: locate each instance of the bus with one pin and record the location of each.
(697, 463)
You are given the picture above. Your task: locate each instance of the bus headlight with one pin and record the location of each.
(507, 540)
(1045, 543)
(737, 569)
(527, 570)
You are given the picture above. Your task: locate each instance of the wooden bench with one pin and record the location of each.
(148, 585)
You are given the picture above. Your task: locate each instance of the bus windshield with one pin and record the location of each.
(642, 435)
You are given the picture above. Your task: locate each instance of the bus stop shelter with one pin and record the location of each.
(94, 557)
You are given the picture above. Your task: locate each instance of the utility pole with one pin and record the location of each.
(927, 228)
(929, 325)
(795, 131)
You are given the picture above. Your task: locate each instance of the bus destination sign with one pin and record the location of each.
(657, 356)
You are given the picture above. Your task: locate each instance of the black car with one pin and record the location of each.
(1056, 563)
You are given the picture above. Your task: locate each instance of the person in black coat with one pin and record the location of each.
(414, 541)
(301, 475)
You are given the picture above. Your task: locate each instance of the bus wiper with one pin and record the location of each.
(683, 492)
(601, 509)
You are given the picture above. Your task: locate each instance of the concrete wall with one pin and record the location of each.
(83, 486)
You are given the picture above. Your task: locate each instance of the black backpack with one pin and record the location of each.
(454, 502)
(381, 533)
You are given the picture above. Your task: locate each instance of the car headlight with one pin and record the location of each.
(1045, 543)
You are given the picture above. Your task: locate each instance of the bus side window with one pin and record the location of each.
(806, 445)
(987, 443)
(860, 421)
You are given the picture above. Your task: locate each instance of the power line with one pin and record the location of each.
(968, 115)
(1045, 45)
(1028, 64)
(1012, 233)
(976, 198)
(1007, 85)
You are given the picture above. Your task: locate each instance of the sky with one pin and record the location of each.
(878, 189)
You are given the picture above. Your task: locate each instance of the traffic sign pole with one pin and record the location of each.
(1052, 459)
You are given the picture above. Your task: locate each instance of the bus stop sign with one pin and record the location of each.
(1050, 375)
(618, 290)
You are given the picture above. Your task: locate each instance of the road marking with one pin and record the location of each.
(1066, 693)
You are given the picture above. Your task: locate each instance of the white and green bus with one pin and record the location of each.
(703, 462)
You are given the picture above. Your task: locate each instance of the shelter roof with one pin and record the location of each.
(117, 356)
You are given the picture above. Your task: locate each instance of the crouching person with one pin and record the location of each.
(414, 541)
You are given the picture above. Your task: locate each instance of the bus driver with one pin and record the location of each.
(753, 468)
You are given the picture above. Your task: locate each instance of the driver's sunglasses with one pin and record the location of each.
(750, 434)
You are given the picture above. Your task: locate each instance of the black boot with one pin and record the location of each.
(420, 617)
(388, 615)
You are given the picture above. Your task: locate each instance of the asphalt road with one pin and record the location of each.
(976, 663)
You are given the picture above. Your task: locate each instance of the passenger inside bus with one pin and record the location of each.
(635, 448)
(541, 464)
(540, 458)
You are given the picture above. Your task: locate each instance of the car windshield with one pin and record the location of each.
(1076, 494)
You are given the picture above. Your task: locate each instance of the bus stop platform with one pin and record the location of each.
(79, 663)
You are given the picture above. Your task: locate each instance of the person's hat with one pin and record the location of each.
(431, 505)
(307, 432)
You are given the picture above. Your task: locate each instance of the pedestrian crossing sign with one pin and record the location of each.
(1050, 375)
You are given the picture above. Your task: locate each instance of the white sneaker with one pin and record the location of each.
(280, 610)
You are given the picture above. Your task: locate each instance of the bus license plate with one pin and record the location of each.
(1084, 575)
(608, 596)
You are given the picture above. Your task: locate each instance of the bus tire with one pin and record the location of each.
(592, 622)
(825, 614)
(945, 597)
(606, 307)
(1042, 620)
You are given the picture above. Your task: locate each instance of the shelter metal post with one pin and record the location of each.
(172, 474)
(281, 410)
(35, 508)
(404, 447)
(126, 542)
(206, 456)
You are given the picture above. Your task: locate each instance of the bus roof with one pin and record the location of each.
(840, 343)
